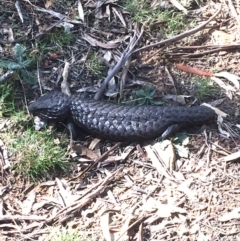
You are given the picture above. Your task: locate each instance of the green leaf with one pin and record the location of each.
(27, 76)
(6, 64)
(19, 52)
(13, 65)
(26, 63)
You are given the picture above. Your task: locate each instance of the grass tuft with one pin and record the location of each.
(6, 101)
(37, 154)
(170, 21)
(205, 88)
(67, 234)
(34, 154)
(94, 65)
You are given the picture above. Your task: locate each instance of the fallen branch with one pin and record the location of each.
(179, 36)
(129, 51)
(212, 49)
(126, 54)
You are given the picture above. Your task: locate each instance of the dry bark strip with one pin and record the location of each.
(68, 212)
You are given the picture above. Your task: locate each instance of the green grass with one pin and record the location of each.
(94, 65)
(59, 37)
(37, 155)
(56, 41)
(205, 88)
(34, 154)
(6, 101)
(170, 21)
(68, 235)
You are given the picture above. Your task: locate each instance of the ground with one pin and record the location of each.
(184, 188)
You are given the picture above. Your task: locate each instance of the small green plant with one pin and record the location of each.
(145, 96)
(205, 88)
(20, 65)
(37, 155)
(94, 65)
(68, 235)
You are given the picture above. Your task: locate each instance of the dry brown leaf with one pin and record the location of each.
(95, 42)
(192, 70)
(166, 152)
(179, 98)
(231, 157)
(82, 150)
(228, 88)
(220, 124)
(18, 7)
(9, 32)
(65, 194)
(222, 38)
(104, 221)
(107, 56)
(80, 10)
(49, 3)
(179, 6)
(234, 214)
(94, 143)
(158, 163)
(120, 16)
(184, 187)
(231, 77)
(123, 233)
(28, 203)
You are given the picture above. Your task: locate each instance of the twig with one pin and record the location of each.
(21, 217)
(129, 51)
(72, 209)
(126, 54)
(39, 79)
(234, 12)
(6, 76)
(179, 36)
(64, 85)
(124, 76)
(102, 157)
(140, 220)
(222, 47)
(194, 55)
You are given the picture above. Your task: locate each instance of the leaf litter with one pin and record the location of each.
(145, 193)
